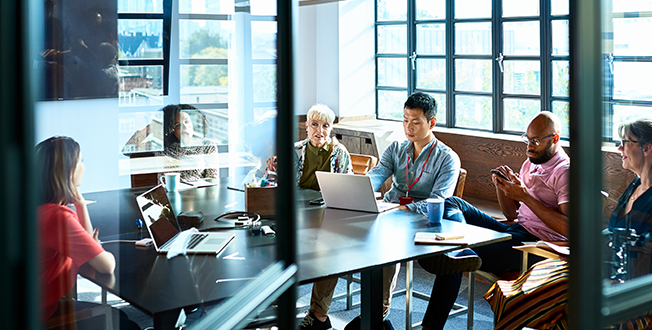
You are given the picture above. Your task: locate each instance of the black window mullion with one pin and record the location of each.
(167, 30)
(450, 65)
(546, 52)
(497, 79)
(411, 46)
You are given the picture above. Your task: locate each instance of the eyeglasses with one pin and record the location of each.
(536, 142)
(622, 143)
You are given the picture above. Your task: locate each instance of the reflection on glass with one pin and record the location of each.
(391, 10)
(440, 98)
(431, 73)
(390, 104)
(513, 8)
(431, 9)
(522, 77)
(628, 40)
(632, 81)
(392, 39)
(560, 108)
(521, 38)
(560, 78)
(204, 39)
(560, 42)
(263, 36)
(218, 125)
(204, 83)
(624, 113)
(140, 39)
(130, 6)
(264, 83)
(473, 75)
(631, 5)
(206, 7)
(130, 122)
(559, 7)
(263, 7)
(519, 112)
(431, 39)
(392, 72)
(473, 8)
(473, 38)
(473, 111)
(140, 85)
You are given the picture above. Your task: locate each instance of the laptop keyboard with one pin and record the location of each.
(195, 239)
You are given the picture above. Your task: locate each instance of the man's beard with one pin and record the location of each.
(547, 154)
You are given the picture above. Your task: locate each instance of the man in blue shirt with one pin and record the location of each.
(421, 167)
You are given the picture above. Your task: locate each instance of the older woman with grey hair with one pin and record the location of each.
(319, 151)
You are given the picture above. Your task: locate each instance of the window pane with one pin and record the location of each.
(473, 75)
(561, 110)
(390, 104)
(391, 10)
(431, 9)
(218, 125)
(431, 73)
(204, 84)
(559, 7)
(264, 83)
(473, 9)
(473, 111)
(521, 38)
(631, 5)
(130, 122)
(522, 77)
(517, 113)
(263, 38)
(631, 81)
(623, 113)
(206, 7)
(513, 8)
(628, 40)
(440, 98)
(560, 78)
(140, 39)
(560, 37)
(431, 39)
(473, 38)
(130, 6)
(140, 85)
(392, 72)
(204, 39)
(392, 39)
(262, 7)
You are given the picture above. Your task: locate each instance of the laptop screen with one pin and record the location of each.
(158, 215)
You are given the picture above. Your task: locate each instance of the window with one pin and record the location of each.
(491, 65)
(628, 60)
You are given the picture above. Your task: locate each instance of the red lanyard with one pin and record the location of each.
(407, 170)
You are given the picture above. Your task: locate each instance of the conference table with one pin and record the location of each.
(330, 243)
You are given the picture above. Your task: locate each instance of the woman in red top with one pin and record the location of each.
(67, 237)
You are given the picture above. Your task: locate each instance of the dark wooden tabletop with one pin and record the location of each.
(331, 242)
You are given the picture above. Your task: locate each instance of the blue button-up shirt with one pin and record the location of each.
(437, 181)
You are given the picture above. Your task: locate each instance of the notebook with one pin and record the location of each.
(163, 227)
(350, 192)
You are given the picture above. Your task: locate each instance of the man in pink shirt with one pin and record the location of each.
(538, 198)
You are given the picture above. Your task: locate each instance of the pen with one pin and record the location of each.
(234, 188)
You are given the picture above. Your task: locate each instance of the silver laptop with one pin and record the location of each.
(163, 227)
(350, 192)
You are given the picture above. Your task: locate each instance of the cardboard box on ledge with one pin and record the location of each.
(261, 200)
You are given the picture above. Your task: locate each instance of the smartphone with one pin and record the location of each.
(501, 174)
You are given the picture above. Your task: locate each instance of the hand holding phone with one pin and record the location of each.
(500, 174)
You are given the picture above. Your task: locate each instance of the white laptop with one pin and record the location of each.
(163, 227)
(350, 192)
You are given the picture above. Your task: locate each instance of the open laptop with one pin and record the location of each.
(163, 227)
(350, 192)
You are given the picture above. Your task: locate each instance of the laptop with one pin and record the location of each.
(163, 227)
(350, 192)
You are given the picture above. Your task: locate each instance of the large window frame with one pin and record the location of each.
(496, 93)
